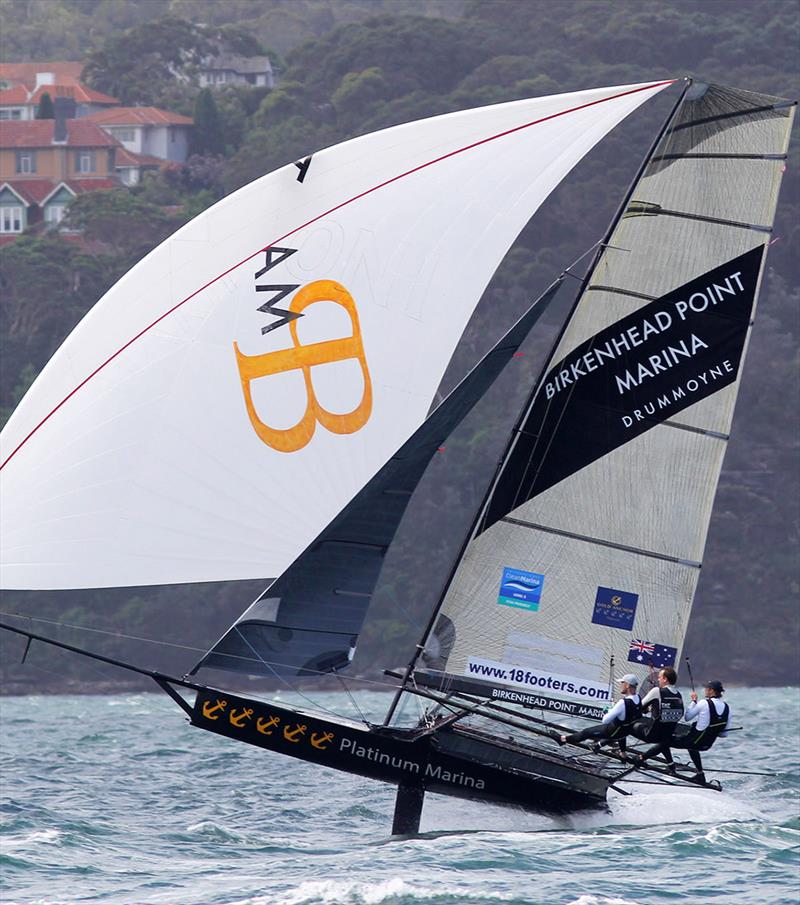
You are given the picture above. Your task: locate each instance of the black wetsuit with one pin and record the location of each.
(665, 714)
(617, 730)
(696, 740)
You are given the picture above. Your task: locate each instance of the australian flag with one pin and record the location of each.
(648, 654)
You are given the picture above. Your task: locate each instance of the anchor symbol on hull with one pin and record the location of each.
(293, 735)
(210, 710)
(321, 741)
(239, 719)
(265, 726)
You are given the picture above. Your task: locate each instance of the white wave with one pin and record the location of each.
(46, 837)
(646, 806)
(601, 900)
(675, 805)
(352, 892)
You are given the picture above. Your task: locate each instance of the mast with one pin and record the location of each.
(478, 521)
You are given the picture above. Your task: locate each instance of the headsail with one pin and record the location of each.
(587, 555)
(229, 396)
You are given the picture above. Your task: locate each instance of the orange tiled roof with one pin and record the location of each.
(139, 116)
(35, 191)
(126, 158)
(38, 133)
(25, 73)
(16, 95)
(76, 90)
(32, 191)
(79, 186)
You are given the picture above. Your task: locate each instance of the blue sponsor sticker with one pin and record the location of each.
(521, 589)
(615, 608)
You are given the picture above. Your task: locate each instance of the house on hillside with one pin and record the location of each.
(230, 69)
(23, 84)
(131, 168)
(45, 163)
(148, 131)
(25, 73)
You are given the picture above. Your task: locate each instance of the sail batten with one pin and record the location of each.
(602, 542)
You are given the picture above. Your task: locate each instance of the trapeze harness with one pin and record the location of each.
(703, 739)
(717, 722)
(666, 714)
(632, 713)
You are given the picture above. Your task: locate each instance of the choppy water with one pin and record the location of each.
(116, 799)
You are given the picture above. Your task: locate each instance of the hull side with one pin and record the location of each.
(447, 762)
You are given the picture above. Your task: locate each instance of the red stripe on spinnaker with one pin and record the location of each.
(337, 207)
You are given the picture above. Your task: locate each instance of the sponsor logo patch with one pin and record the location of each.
(615, 608)
(519, 589)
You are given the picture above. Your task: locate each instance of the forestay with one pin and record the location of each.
(228, 397)
(587, 556)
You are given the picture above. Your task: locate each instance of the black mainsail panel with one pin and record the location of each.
(587, 554)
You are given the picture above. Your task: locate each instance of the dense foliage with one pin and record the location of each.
(362, 72)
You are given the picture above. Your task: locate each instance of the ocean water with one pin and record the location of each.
(116, 799)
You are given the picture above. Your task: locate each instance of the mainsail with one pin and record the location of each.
(228, 397)
(586, 556)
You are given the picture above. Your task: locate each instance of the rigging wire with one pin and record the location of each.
(384, 686)
(352, 700)
(288, 684)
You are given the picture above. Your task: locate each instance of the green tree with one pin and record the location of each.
(359, 91)
(45, 109)
(120, 220)
(207, 135)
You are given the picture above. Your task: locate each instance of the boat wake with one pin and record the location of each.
(669, 806)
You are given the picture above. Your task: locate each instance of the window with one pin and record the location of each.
(10, 113)
(54, 213)
(26, 161)
(85, 162)
(11, 219)
(124, 134)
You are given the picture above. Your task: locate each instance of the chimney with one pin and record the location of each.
(45, 78)
(64, 109)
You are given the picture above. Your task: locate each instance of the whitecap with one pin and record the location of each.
(46, 837)
(601, 900)
(352, 892)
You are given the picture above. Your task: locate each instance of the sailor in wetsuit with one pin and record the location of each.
(665, 704)
(713, 720)
(616, 723)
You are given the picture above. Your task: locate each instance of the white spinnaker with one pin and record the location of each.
(132, 459)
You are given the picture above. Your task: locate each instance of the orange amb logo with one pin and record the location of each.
(303, 358)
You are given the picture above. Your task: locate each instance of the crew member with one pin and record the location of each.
(712, 720)
(617, 723)
(665, 704)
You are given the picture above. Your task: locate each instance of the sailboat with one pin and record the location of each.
(253, 399)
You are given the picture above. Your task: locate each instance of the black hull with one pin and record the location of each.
(449, 761)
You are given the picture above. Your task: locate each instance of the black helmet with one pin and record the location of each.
(715, 685)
